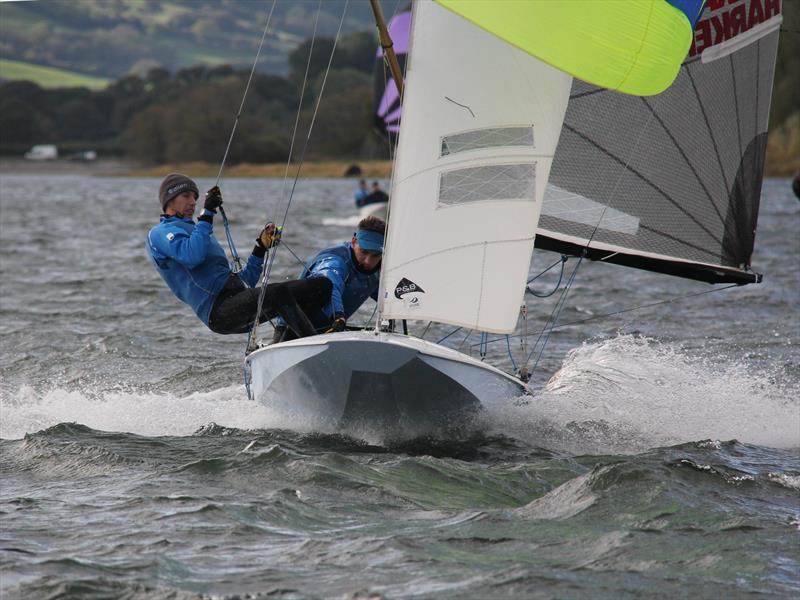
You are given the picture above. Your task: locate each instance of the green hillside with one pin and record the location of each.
(110, 39)
(48, 77)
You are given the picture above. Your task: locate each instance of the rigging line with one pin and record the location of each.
(244, 95)
(279, 201)
(292, 252)
(316, 110)
(266, 273)
(562, 260)
(237, 261)
(456, 330)
(300, 105)
(553, 318)
(372, 316)
(234, 254)
(555, 289)
(510, 354)
(427, 327)
(461, 345)
(634, 308)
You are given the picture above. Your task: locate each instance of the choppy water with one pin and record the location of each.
(660, 457)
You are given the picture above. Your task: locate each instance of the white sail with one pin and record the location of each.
(481, 121)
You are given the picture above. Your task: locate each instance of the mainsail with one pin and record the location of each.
(470, 174)
(672, 183)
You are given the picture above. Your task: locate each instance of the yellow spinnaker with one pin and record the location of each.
(632, 46)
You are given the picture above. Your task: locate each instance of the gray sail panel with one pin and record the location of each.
(685, 165)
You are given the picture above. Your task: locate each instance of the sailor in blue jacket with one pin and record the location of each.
(353, 268)
(195, 268)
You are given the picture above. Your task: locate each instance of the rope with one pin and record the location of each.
(237, 261)
(292, 252)
(456, 330)
(510, 355)
(267, 269)
(428, 326)
(234, 254)
(244, 95)
(553, 318)
(562, 261)
(627, 310)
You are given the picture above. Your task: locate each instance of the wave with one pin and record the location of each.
(149, 414)
(621, 395)
(631, 393)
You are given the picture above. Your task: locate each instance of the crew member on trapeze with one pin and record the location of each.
(353, 268)
(194, 266)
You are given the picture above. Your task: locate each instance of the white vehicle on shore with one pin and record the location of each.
(42, 152)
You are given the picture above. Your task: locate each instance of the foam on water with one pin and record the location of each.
(624, 394)
(29, 411)
(630, 393)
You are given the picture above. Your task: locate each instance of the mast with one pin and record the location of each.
(394, 67)
(387, 45)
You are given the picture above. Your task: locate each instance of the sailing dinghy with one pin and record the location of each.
(669, 183)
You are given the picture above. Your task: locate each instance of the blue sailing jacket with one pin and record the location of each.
(351, 285)
(192, 263)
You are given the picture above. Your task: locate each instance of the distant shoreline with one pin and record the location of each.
(370, 169)
(783, 164)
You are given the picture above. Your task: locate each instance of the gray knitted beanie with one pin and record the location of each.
(175, 184)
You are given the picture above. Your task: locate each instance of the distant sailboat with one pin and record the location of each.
(494, 128)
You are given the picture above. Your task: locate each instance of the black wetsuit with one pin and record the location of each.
(235, 307)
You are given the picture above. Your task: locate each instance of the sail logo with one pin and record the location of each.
(406, 286)
(725, 19)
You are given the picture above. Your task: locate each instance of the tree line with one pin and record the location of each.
(165, 117)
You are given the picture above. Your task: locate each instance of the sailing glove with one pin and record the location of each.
(213, 199)
(269, 237)
(339, 324)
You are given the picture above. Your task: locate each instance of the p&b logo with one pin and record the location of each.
(406, 286)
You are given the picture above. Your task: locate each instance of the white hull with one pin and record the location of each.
(367, 383)
(376, 209)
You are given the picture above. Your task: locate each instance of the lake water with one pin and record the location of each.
(659, 457)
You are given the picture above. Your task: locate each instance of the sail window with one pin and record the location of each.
(490, 182)
(493, 137)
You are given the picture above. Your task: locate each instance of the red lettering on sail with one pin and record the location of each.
(723, 21)
(702, 38)
(772, 8)
(756, 14)
(738, 21)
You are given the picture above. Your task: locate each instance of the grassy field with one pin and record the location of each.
(48, 77)
(371, 169)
